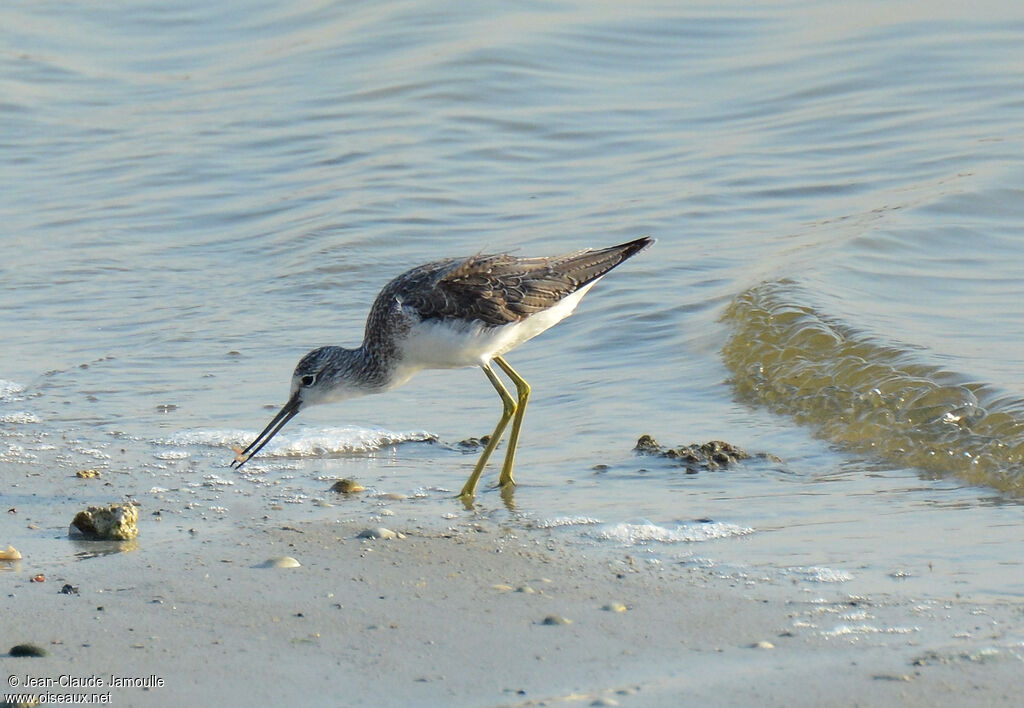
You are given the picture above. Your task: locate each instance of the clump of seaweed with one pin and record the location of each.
(711, 455)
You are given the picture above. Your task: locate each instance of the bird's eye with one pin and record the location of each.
(308, 380)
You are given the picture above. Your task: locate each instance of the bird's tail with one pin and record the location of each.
(589, 265)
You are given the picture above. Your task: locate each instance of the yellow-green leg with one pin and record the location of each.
(509, 407)
(523, 389)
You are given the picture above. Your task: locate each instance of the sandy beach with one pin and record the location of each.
(480, 615)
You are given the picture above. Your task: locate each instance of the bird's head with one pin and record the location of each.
(321, 376)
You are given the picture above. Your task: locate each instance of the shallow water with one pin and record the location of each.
(196, 196)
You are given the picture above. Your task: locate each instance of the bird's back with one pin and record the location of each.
(499, 289)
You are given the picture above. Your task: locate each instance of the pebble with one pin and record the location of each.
(762, 645)
(27, 650)
(10, 554)
(615, 607)
(347, 486)
(556, 619)
(526, 590)
(281, 562)
(87, 474)
(379, 532)
(893, 677)
(501, 587)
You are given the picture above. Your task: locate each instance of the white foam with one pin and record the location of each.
(816, 574)
(310, 442)
(20, 418)
(560, 521)
(173, 455)
(212, 480)
(9, 389)
(843, 630)
(635, 534)
(92, 452)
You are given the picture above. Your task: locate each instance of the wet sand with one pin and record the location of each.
(473, 617)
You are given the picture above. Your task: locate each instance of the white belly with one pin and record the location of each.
(435, 344)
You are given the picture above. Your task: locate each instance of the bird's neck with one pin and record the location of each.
(368, 367)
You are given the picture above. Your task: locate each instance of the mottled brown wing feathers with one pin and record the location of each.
(499, 289)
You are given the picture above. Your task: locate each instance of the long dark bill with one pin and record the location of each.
(289, 411)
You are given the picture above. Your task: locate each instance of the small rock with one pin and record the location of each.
(347, 486)
(280, 562)
(556, 619)
(10, 554)
(615, 607)
(526, 590)
(501, 587)
(87, 474)
(762, 645)
(40, 578)
(474, 443)
(117, 522)
(379, 532)
(68, 589)
(27, 650)
(647, 445)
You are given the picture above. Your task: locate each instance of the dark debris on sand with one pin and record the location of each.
(711, 455)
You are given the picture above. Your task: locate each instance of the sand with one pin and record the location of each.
(473, 616)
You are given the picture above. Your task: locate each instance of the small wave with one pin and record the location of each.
(636, 534)
(871, 396)
(313, 442)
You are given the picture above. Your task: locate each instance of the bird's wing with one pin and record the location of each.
(499, 289)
